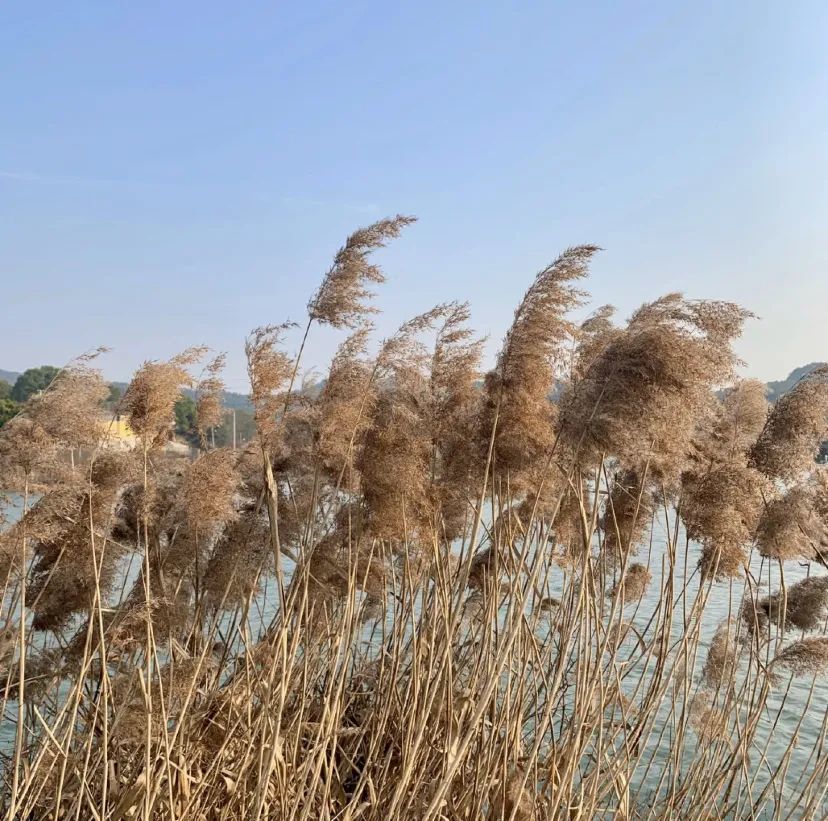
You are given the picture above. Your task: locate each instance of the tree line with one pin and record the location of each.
(34, 380)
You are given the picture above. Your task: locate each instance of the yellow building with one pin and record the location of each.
(117, 433)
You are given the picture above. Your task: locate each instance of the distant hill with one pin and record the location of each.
(241, 401)
(237, 401)
(232, 401)
(777, 389)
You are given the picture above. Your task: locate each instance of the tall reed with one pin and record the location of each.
(423, 592)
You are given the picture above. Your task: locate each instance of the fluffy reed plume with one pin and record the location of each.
(25, 449)
(807, 657)
(622, 631)
(642, 396)
(70, 409)
(238, 562)
(395, 459)
(593, 336)
(341, 564)
(567, 509)
(341, 300)
(269, 369)
(626, 517)
(721, 509)
(732, 429)
(200, 503)
(346, 405)
(149, 400)
(709, 722)
(474, 607)
(394, 462)
(208, 490)
(44, 670)
(179, 668)
(803, 605)
(807, 603)
(152, 502)
(722, 656)
(634, 584)
(795, 525)
(209, 393)
(721, 495)
(547, 605)
(74, 560)
(795, 427)
(454, 405)
(517, 408)
(296, 467)
(513, 799)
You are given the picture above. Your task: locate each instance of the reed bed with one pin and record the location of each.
(424, 591)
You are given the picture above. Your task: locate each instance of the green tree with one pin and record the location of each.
(5, 390)
(32, 381)
(8, 409)
(115, 394)
(245, 429)
(185, 419)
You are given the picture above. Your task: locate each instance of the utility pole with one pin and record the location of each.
(234, 428)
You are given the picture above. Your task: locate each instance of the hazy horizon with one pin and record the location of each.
(178, 175)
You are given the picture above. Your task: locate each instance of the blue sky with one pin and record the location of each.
(178, 173)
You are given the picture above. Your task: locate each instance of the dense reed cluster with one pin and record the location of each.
(424, 591)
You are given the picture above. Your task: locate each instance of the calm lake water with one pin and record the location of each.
(806, 700)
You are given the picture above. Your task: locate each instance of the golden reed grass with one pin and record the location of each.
(423, 592)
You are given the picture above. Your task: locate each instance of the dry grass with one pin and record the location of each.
(411, 598)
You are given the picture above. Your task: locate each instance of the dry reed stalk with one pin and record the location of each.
(209, 393)
(441, 644)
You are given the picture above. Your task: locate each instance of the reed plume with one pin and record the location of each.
(513, 800)
(342, 298)
(634, 583)
(238, 562)
(708, 721)
(418, 625)
(568, 509)
(517, 409)
(805, 657)
(722, 655)
(804, 605)
(795, 524)
(269, 369)
(453, 411)
(149, 400)
(25, 449)
(592, 337)
(721, 509)
(395, 458)
(74, 558)
(626, 516)
(70, 410)
(722, 495)
(796, 425)
(209, 398)
(735, 424)
(643, 395)
(346, 405)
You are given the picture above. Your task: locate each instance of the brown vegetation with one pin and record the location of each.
(353, 617)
